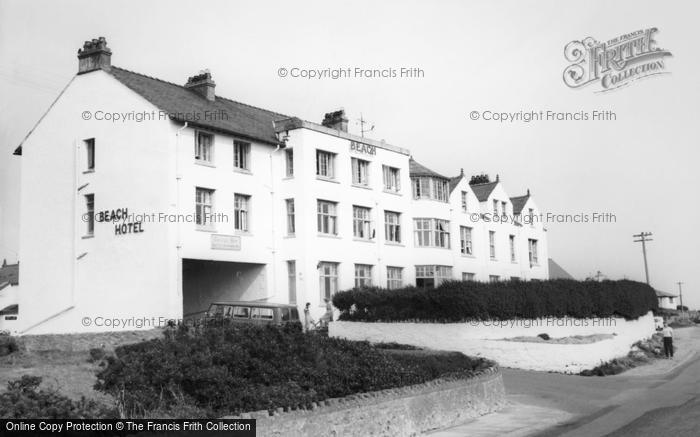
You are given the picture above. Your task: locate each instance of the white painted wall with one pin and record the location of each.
(667, 302)
(485, 339)
(149, 168)
(66, 277)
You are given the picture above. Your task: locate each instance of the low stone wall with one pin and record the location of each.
(486, 339)
(405, 411)
(85, 341)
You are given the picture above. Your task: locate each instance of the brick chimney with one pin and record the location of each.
(336, 120)
(94, 56)
(202, 85)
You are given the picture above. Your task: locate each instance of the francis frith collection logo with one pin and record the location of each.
(614, 63)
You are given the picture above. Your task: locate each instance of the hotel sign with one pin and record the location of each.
(366, 149)
(225, 242)
(124, 223)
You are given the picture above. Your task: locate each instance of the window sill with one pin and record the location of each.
(205, 229)
(493, 259)
(394, 243)
(88, 236)
(432, 247)
(89, 171)
(242, 171)
(242, 233)
(326, 179)
(328, 236)
(431, 200)
(363, 240)
(364, 187)
(290, 236)
(287, 178)
(204, 163)
(467, 255)
(392, 192)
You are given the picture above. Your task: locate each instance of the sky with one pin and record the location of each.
(500, 56)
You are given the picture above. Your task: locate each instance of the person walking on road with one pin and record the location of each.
(668, 340)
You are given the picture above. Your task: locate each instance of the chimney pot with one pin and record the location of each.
(203, 85)
(336, 120)
(95, 55)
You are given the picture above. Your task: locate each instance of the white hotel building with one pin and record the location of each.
(220, 201)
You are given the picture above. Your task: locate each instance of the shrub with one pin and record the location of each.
(229, 368)
(8, 345)
(23, 399)
(642, 352)
(455, 301)
(96, 354)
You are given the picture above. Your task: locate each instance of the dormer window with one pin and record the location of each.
(425, 187)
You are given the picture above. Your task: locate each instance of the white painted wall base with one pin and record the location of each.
(483, 340)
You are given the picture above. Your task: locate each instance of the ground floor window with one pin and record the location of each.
(431, 276)
(532, 248)
(363, 275)
(292, 280)
(494, 278)
(328, 278)
(467, 276)
(394, 277)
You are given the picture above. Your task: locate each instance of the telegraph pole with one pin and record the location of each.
(680, 292)
(643, 237)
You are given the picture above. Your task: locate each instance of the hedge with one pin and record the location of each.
(459, 301)
(230, 368)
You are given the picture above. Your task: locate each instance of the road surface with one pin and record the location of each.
(662, 398)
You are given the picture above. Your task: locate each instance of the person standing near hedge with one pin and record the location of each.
(308, 320)
(668, 340)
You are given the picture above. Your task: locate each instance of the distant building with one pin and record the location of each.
(9, 297)
(667, 300)
(191, 198)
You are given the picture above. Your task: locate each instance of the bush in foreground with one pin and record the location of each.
(8, 345)
(24, 399)
(459, 301)
(235, 368)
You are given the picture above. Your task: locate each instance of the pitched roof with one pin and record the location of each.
(557, 272)
(241, 119)
(9, 273)
(519, 203)
(455, 181)
(483, 191)
(415, 169)
(660, 293)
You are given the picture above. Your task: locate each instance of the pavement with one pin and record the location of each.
(647, 398)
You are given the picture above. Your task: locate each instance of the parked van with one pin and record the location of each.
(255, 312)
